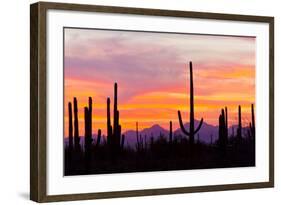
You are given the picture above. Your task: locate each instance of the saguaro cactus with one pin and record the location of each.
(98, 138)
(88, 125)
(88, 139)
(192, 131)
(222, 130)
(139, 144)
(90, 116)
(70, 127)
(137, 135)
(116, 126)
(113, 133)
(119, 134)
(226, 123)
(253, 126)
(109, 126)
(239, 129)
(115, 112)
(76, 128)
(171, 133)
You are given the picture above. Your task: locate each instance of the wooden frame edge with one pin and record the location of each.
(34, 103)
(38, 113)
(37, 102)
(271, 100)
(155, 192)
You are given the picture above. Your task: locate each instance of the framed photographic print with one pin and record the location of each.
(134, 102)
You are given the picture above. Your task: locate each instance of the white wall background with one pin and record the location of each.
(14, 101)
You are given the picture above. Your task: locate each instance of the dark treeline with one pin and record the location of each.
(155, 153)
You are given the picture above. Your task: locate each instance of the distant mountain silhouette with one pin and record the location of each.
(155, 130)
(205, 132)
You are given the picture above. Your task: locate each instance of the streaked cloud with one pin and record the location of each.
(152, 74)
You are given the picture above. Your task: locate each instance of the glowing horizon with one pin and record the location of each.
(152, 73)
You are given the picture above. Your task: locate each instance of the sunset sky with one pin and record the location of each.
(152, 73)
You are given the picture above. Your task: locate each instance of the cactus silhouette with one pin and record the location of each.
(88, 129)
(239, 129)
(90, 116)
(171, 133)
(222, 130)
(119, 136)
(253, 126)
(114, 134)
(137, 135)
(98, 138)
(70, 127)
(167, 151)
(226, 123)
(116, 126)
(88, 139)
(109, 126)
(192, 130)
(76, 128)
(140, 140)
(115, 115)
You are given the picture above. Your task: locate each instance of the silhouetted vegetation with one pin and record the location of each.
(97, 154)
(191, 132)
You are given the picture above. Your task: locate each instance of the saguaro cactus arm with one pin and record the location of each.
(199, 126)
(182, 126)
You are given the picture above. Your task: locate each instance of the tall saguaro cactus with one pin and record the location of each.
(87, 139)
(137, 133)
(115, 111)
(90, 116)
(253, 126)
(76, 128)
(114, 133)
(192, 130)
(109, 126)
(226, 122)
(70, 127)
(222, 130)
(139, 138)
(116, 126)
(239, 129)
(88, 128)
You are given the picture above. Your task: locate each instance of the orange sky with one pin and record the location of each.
(153, 79)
